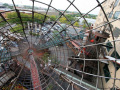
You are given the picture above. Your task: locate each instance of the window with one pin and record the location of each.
(106, 72)
(109, 46)
(116, 15)
(110, 14)
(116, 2)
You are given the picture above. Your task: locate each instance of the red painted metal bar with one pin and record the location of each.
(34, 74)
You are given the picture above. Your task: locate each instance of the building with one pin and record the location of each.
(112, 10)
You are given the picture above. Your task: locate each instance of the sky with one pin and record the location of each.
(83, 5)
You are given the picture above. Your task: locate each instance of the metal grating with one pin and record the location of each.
(75, 63)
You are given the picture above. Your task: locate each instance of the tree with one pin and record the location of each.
(39, 18)
(12, 17)
(67, 19)
(56, 33)
(17, 29)
(70, 18)
(5, 4)
(53, 17)
(54, 60)
(84, 24)
(50, 87)
(2, 23)
(45, 57)
(89, 24)
(25, 17)
(63, 20)
(76, 24)
(94, 17)
(60, 13)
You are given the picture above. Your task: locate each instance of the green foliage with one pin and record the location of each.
(60, 13)
(94, 17)
(89, 24)
(27, 7)
(76, 24)
(39, 18)
(50, 86)
(86, 16)
(14, 16)
(2, 23)
(25, 17)
(53, 18)
(34, 34)
(91, 16)
(5, 4)
(45, 57)
(70, 17)
(63, 20)
(67, 20)
(18, 29)
(54, 60)
(11, 7)
(56, 34)
(84, 24)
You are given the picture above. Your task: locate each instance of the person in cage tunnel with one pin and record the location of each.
(94, 37)
(98, 36)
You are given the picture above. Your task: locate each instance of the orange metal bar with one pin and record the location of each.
(34, 74)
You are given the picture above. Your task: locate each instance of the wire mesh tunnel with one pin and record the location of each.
(54, 48)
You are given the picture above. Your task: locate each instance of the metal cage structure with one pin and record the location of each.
(38, 52)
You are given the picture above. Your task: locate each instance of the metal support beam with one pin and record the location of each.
(34, 73)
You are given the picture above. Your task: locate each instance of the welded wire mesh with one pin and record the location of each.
(67, 58)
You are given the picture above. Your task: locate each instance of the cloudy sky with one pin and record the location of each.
(83, 5)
